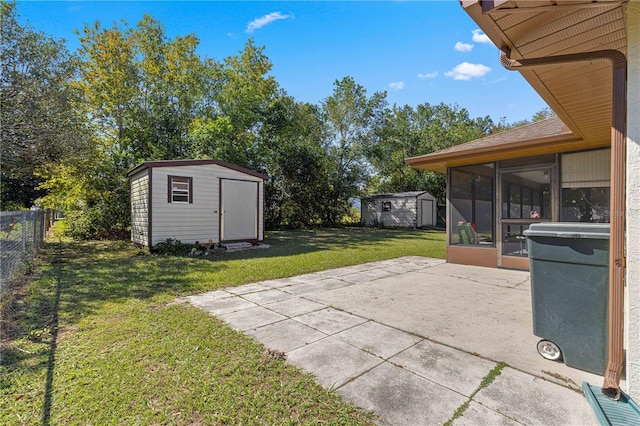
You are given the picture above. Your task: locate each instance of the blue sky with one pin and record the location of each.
(418, 51)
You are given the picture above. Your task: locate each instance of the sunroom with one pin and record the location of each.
(499, 185)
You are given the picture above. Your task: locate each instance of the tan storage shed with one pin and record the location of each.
(196, 200)
(404, 209)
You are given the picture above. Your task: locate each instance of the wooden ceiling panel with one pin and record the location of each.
(571, 33)
(590, 40)
(580, 93)
(543, 26)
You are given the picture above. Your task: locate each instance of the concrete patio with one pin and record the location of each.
(411, 339)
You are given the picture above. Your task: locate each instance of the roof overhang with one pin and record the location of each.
(440, 161)
(543, 137)
(580, 92)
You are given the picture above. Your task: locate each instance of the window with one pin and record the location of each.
(471, 205)
(585, 186)
(180, 189)
(386, 206)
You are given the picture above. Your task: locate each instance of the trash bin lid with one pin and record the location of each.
(598, 231)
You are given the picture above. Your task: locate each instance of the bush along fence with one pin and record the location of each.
(21, 234)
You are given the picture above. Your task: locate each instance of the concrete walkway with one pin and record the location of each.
(411, 339)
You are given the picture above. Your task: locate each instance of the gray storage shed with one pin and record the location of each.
(417, 208)
(196, 200)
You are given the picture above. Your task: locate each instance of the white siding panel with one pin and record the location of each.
(434, 208)
(200, 220)
(140, 208)
(403, 212)
(370, 211)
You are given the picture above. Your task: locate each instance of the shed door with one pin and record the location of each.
(239, 210)
(426, 214)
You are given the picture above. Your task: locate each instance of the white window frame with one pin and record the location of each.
(180, 187)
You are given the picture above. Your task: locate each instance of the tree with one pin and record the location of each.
(411, 132)
(143, 92)
(351, 122)
(297, 164)
(42, 119)
(242, 93)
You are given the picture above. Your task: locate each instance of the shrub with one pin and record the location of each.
(171, 247)
(96, 223)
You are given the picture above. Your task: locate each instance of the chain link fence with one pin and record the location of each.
(21, 234)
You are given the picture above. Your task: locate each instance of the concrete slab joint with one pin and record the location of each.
(415, 347)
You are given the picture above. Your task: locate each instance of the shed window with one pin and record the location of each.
(386, 206)
(180, 189)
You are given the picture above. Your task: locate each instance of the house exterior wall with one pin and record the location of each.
(632, 298)
(199, 220)
(140, 208)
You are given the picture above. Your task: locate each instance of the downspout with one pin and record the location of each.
(611, 385)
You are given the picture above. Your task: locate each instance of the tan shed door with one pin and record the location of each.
(427, 213)
(239, 210)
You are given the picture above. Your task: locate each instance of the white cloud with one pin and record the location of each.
(397, 85)
(265, 20)
(463, 47)
(467, 71)
(428, 75)
(480, 37)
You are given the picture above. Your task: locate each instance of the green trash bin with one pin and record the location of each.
(569, 266)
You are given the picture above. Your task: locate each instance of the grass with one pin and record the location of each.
(486, 381)
(105, 341)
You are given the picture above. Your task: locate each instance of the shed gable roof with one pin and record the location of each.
(179, 163)
(409, 194)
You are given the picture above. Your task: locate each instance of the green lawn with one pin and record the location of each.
(105, 341)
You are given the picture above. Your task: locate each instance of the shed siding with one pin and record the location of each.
(434, 212)
(370, 211)
(140, 208)
(199, 220)
(405, 210)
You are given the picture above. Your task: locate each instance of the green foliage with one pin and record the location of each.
(100, 222)
(351, 122)
(73, 126)
(118, 346)
(376, 223)
(42, 119)
(411, 132)
(172, 247)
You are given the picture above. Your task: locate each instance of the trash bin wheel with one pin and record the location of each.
(549, 350)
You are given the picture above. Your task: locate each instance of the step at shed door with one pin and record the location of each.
(239, 210)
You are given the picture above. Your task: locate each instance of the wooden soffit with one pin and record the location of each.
(580, 93)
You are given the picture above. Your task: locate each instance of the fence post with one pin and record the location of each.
(23, 224)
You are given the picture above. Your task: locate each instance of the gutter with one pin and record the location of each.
(611, 385)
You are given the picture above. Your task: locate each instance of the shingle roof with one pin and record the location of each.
(547, 135)
(541, 129)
